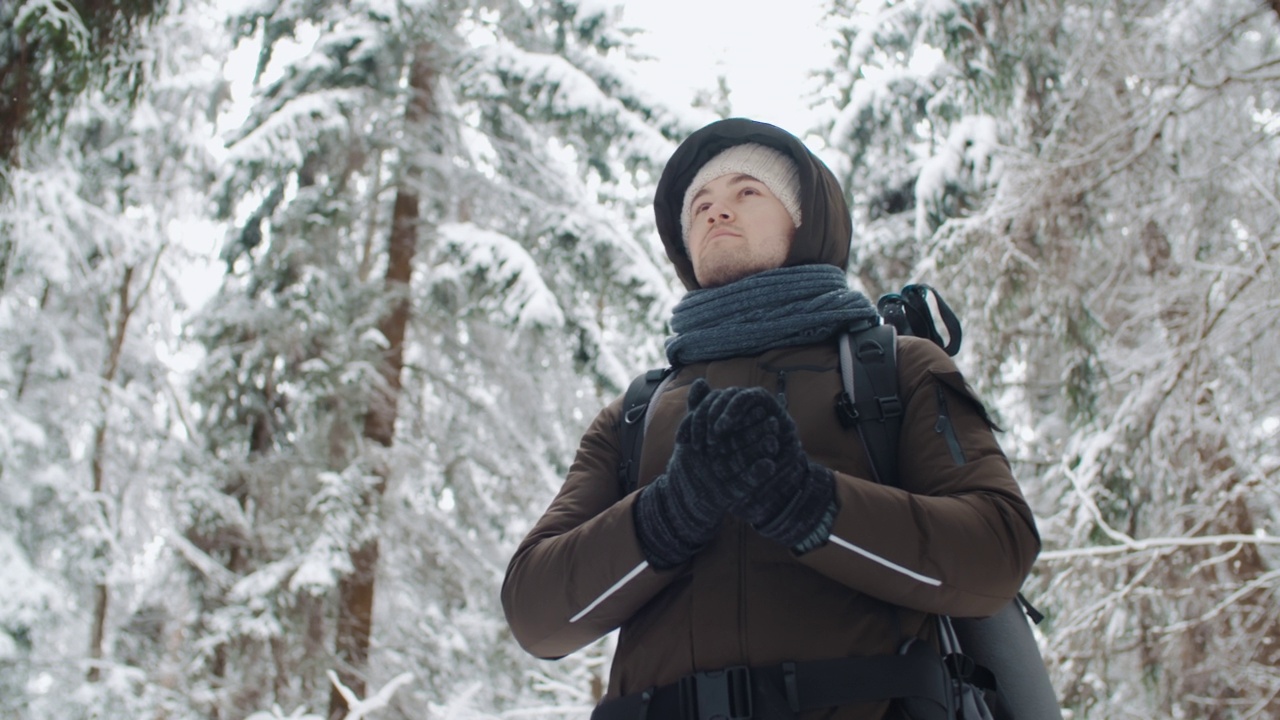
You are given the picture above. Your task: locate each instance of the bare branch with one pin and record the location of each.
(1260, 582)
(1153, 544)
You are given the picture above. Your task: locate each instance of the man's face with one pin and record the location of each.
(739, 228)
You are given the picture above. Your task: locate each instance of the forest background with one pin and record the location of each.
(292, 491)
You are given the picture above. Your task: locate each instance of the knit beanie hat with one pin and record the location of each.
(777, 171)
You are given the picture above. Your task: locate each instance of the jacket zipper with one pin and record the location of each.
(945, 428)
(782, 388)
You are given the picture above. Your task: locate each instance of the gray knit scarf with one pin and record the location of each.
(777, 308)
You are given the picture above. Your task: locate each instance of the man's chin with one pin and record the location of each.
(719, 279)
(722, 275)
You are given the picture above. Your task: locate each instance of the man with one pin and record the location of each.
(758, 537)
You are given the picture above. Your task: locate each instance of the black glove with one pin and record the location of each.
(680, 511)
(794, 503)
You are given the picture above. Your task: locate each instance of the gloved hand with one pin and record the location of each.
(791, 500)
(680, 511)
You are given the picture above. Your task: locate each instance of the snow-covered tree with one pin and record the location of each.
(92, 431)
(1094, 184)
(434, 278)
(50, 52)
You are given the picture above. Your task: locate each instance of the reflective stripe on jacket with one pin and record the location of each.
(956, 538)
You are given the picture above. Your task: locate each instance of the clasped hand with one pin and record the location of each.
(736, 451)
(731, 443)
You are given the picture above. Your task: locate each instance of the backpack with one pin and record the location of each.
(976, 652)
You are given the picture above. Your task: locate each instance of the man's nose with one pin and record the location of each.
(719, 212)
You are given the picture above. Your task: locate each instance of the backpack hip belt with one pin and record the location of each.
(741, 693)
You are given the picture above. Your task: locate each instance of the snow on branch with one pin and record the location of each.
(506, 267)
(200, 560)
(61, 21)
(1264, 581)
(567, 90)
(27, 593)
(287, 134)
(968, 159)
(1161, 543)
(277, 714)
(358, 709)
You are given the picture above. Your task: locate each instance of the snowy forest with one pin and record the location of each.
(291, 359)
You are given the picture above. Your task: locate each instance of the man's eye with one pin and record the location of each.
(701, 208)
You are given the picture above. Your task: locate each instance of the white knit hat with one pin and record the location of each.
(775, 170)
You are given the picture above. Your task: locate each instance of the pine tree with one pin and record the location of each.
(1097, 182)
(89, 298)
(432, 280)
(52, 52)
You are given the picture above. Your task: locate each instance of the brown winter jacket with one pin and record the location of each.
(957, 537)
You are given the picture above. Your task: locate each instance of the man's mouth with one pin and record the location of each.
(722, 232)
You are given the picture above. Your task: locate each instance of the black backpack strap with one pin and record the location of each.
(635, 405)
(909, 312)
(1034, 614)
(870, 402)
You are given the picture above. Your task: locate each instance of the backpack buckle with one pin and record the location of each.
(890, 407)
(849, 416)
(846, 411)
(717, 694)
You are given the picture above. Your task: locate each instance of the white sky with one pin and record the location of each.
(764, 48)
(764, 52)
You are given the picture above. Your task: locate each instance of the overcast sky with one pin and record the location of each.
(763, 47)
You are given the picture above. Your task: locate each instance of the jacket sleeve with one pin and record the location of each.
(580, 573)
(957, 537)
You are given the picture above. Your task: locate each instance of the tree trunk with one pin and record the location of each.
(356, 590)
(115, 340)
(261, 440)
(6, 255)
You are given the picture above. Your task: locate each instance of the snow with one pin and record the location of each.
(283, 138)
(496, 393)
(22, 431)
(589, 8)
(503, 262)
(966, 158)
(34, 213)
(570, 87)
(251, 589)
(316, 574)
(63, 21)
(360, 708)
(567, 90)
(27, 598)
(275, 713)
